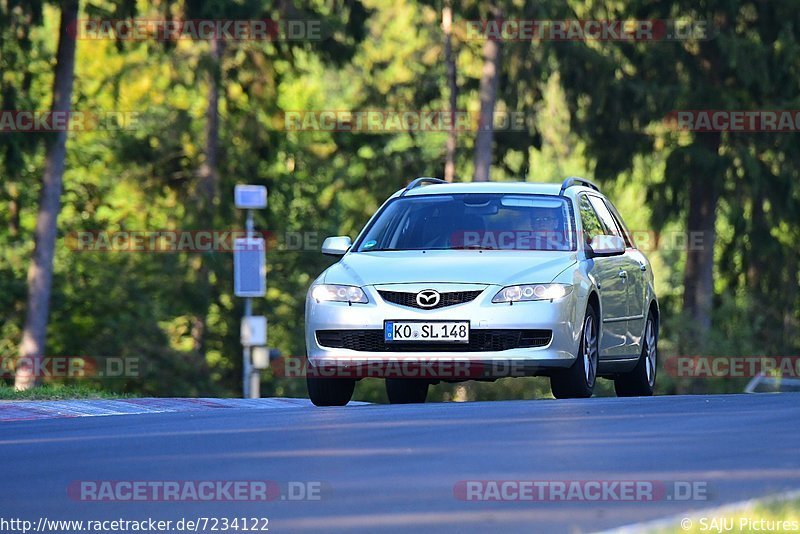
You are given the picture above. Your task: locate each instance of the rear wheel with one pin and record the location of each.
(641, 381)
(330, 391)
(578, 381)
(406, 390)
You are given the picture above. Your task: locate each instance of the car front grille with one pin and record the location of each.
(451, 298)
(484, 340)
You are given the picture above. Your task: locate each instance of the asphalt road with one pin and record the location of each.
(395, 467)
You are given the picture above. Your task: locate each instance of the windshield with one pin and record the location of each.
(472, 221)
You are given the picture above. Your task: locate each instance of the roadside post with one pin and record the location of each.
(250, 280)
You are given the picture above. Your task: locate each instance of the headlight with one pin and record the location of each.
(334, 293)
(532, 292)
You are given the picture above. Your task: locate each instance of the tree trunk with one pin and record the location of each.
(209, 173)
(698, 277)
(490, 77)
(40, 272)
(208, 192)
(450, 155)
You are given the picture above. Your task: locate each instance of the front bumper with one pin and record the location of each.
(558, 316)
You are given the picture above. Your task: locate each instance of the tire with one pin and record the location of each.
(578, 381)
(406, 390)
(330, 391)
(641, 380)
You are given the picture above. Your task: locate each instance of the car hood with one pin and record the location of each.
(449, 266)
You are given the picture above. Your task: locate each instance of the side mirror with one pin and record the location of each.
(605, 245)
(336, 246)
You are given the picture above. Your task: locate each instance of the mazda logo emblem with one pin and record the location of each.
(428, 298)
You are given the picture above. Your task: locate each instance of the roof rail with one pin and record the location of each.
(419, 181)
(574, 180)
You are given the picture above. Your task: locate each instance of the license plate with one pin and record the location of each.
(427, 331)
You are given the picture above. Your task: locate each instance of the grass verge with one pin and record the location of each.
(58, 392)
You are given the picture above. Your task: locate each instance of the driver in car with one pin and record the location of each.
(546, 228)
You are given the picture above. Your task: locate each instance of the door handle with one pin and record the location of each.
(623, 274)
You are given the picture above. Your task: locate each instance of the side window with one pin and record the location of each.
(626, 234)
(592, 226)
(605, 216)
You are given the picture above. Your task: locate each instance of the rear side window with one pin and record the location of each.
(626, 234)
(592, 225)
(605, 216)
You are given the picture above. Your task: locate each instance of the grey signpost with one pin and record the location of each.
(250, 280)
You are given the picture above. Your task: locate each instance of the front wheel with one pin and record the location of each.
(578, 381)
(406, 390)
(330, 391)
(641, 381)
